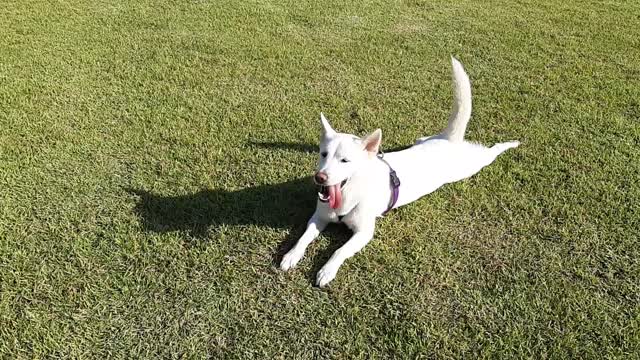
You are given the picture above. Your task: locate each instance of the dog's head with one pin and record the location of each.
(341, 155)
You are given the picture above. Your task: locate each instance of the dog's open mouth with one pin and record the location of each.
(332, 194)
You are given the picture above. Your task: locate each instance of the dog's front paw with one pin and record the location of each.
(290, 259)
(326, 274)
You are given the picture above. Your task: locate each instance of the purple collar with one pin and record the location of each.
(394, 181)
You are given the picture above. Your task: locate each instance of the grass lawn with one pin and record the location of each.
(155, 160)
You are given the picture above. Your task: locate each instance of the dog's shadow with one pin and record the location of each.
(283, 205)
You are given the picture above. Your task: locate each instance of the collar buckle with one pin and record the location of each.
(395, 180)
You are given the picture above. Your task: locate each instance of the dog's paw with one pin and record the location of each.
(290, 260)
(326, 274)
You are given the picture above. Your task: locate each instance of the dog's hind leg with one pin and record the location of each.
(490, 155)
(315, 225)
(359, 240)
(498, 149)
(476, 158)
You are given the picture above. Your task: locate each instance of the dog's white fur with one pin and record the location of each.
(430, 163)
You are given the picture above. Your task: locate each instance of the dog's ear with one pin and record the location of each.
(372, 142)
(327, 130)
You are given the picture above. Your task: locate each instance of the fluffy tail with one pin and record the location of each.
(461, 111)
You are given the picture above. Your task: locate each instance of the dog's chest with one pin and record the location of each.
(347, 220)
(350, 219)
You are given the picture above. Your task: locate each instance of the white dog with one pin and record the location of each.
(357, 185)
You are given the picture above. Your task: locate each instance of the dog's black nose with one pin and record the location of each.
(320, 178)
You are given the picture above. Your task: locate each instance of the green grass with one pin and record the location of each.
(154, 158)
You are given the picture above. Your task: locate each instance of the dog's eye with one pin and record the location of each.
(344, 160)
(323, 154)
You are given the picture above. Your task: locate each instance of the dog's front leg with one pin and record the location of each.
(316, 224)
(360, 238)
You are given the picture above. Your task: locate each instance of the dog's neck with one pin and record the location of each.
(370, 183)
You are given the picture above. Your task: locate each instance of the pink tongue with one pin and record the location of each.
(335, 196)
